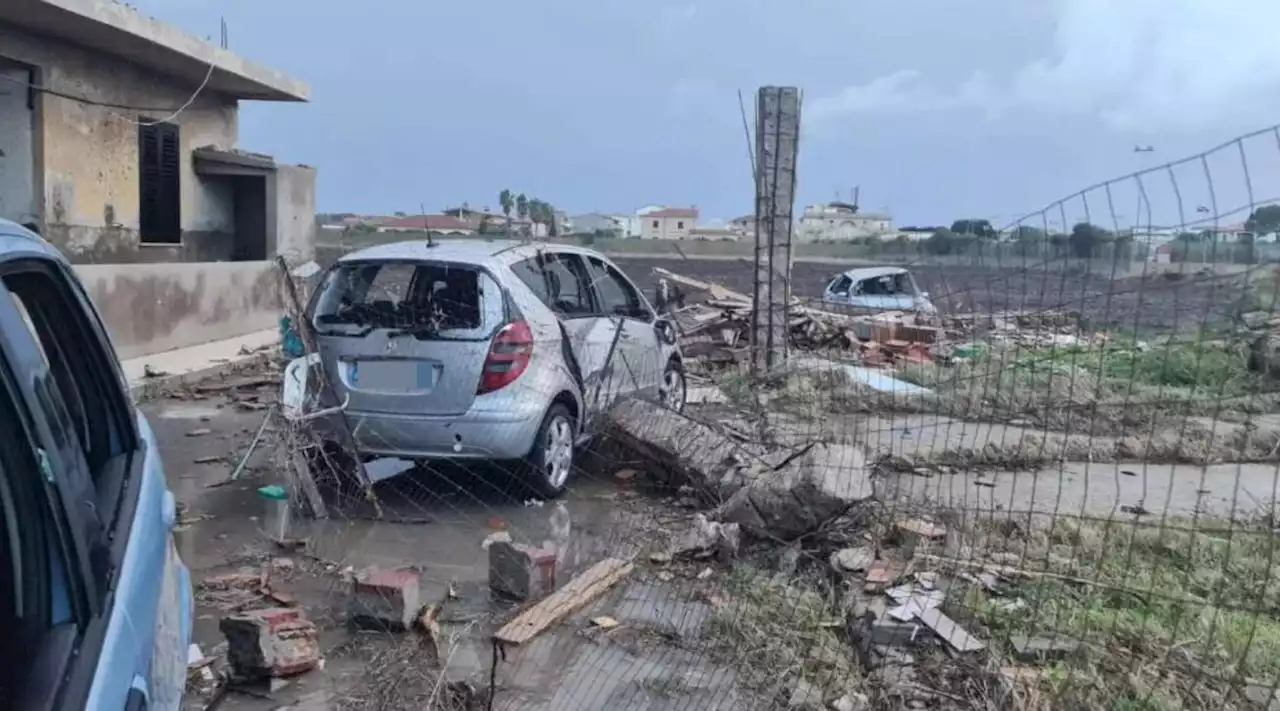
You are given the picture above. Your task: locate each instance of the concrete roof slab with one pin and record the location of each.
(117, 29)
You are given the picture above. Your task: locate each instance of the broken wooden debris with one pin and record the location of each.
(604, 622)
(1042, 649)
(581, 590)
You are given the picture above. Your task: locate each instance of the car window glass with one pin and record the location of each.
(617, 297)
(432, 299)
(531, 273)
(80, 364)
(559, 282)
(34, 592)
(390, 283)
(841, 284)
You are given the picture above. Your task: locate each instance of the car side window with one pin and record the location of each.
(841, 284)
(82, 366)
(559, 281)
(35, 590)
(617, 296)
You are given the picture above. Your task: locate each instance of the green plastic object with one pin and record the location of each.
(274, 491)
(970, 350)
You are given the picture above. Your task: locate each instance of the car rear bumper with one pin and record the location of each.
(473, 435)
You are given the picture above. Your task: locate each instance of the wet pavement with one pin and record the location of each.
(435, 523)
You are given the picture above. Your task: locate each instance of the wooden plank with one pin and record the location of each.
(948, 630)
(578, 592)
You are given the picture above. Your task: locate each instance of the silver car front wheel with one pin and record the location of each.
(675, 390)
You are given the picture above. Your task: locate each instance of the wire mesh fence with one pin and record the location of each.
(1027, 469)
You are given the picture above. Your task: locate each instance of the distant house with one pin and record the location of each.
(596, 222)
(1226, 233)
(839, 221)
(668, 223)
(632, 222)
(442, 224)
(480, 220)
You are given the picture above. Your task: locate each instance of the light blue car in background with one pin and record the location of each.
(97, 605)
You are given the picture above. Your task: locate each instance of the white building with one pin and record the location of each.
(838, 221)
(633, 222)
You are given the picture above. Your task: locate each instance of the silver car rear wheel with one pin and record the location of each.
(552, 456)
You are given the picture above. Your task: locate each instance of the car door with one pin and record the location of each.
(638, 364)
(129, 595)
(561, 281)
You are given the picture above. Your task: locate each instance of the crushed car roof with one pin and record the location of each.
(873, 272)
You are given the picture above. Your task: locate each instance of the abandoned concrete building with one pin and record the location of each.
(118, 139)
(118, 143)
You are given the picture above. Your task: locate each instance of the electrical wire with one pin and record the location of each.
(173, 113)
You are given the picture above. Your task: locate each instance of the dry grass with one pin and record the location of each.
(776, 629)
(1180, 615)
(1099, 391)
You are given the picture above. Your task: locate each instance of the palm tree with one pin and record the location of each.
(537, 212)
(507, 201)
(522, 206)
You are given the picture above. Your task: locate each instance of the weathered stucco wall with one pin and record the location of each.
(293, 198)
(150, 308)
(87, 156)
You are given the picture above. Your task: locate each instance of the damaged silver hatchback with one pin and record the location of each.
(878, 289)
(480, 350)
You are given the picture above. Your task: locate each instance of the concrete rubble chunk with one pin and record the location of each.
(275, 642)
(767, 493)
(708, 538)
(521, 572)
(384, 599)
(823, 483)
(853, 560)
(681, 451)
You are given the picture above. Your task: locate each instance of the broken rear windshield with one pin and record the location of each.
(426, 299)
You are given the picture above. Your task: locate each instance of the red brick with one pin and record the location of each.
(521, 572)
(276, 642)
(384, 599)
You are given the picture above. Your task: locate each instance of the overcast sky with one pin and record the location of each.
(936, 108)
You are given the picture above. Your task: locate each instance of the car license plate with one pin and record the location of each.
(393, 375)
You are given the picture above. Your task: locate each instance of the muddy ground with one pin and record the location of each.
(1142, 303)
(657, 658)
(665, 652)
(1151, 303)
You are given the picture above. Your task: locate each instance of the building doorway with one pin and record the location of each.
(17, 144)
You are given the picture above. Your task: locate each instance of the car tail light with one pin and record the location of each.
(508, 357)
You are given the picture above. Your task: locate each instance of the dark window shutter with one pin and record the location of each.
(159, 158)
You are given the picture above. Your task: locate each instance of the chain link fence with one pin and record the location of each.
(1034, 470)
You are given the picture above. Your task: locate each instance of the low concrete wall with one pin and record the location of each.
(150, 308)
(291, 199)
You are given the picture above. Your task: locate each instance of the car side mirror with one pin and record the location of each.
(666, 331)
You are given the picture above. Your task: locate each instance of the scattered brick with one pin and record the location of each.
(276, 642)
(384, 599)
(521, 572)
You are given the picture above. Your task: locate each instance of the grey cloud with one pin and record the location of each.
(1137, 65)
